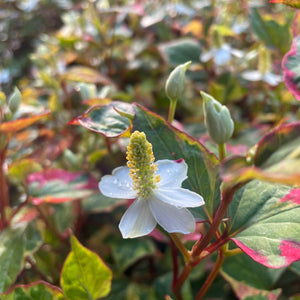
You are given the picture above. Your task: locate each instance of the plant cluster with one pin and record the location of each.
(177, 122)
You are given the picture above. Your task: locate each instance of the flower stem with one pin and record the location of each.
(180, 246)
(172, 109)
(211, 277)
(222, 151)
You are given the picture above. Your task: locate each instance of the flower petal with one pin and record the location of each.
(118, 185)
(179, 197)
(137, 220)
(171, 218)
(172, 172)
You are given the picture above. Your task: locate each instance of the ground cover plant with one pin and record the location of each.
(149, 150)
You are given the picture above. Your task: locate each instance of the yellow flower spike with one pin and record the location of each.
(140, 161)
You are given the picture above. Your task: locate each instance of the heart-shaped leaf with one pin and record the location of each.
(106, 119)
(264, 223)
(84, 276)
(171, 143)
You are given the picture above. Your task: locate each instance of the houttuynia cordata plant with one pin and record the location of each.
(181, 178)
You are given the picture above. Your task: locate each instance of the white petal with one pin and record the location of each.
(171, 218)
(118, 185)
(179, 197)
(172, 172)
(137, 220)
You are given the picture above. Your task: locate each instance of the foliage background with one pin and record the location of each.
(66, 56)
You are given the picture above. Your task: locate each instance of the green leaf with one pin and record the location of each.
(264, 222)
(171, 143)
(162, 286)
(106, 119)
(128, 251)
(270, 31)
(246, 292)
(180, 51)
(15, 244)
(84, 274)
(36, 291)
(101, 203)
(243, 269)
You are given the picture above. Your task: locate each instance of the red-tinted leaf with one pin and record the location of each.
(42, 289)
(291, 68)
(13, 126)
(244, 291)
(106, 119)
(291, 3)
(264, 223)
(58, 186)
(273, 159)
(84, 74)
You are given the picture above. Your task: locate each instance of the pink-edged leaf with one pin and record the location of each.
(264, 223)
(273, 159)
(291, 68)
(291, 3)
(35, 290)
(243, 291)
(19, 124)
(16, 242)
(56, 186)
(106, 119)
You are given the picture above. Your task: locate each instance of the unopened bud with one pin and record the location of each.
(176, 81)
(14, 100)
(217, 119)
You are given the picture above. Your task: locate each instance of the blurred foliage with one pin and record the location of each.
(65, 56)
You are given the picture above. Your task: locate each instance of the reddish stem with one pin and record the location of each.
(4, 200)
(211, 277)
(175, 265)
(200, 245)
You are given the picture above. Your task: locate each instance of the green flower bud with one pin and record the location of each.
(217, 119)
(175, 83)
(14, 100)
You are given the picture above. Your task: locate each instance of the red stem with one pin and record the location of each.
(200, 245)
(4, 200)
(211, 277)
(175, 267)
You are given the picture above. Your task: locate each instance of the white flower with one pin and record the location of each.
(164, 205)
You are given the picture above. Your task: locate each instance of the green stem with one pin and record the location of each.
(185, 253)
(222, 151)
(211, 277)
(172, 109)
